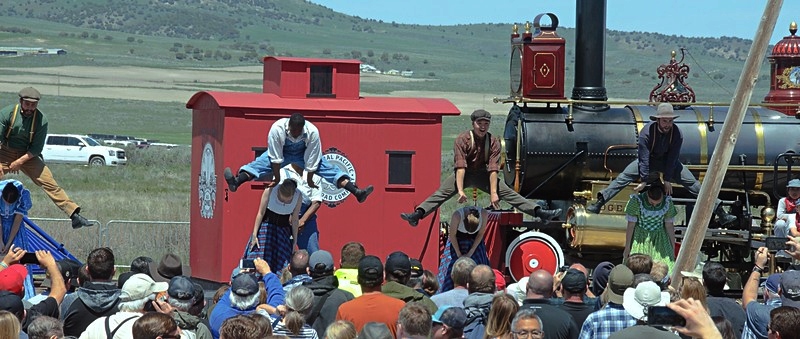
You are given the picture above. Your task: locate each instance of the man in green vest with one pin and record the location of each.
(23, 130)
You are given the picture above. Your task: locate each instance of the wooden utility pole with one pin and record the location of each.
(718, 165)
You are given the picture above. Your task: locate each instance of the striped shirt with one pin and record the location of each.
(305, 333)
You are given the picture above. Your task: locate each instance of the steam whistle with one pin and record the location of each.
(710, 122)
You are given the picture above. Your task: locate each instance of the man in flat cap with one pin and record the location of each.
(659, 151)
(477, 161)
(23, 130)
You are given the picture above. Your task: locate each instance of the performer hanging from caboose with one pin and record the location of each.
(659, 150)
(477, 161)
(294, 140)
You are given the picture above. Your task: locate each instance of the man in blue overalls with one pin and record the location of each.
(293, 140)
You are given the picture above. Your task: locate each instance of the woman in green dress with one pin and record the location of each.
(650, 230)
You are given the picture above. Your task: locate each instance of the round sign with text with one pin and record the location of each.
(332, 195)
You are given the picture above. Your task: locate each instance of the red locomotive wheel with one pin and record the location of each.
(532, 251)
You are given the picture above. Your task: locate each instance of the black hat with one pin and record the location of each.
(244, 285)
(480, 114)
(29, 94)
(416, 268)
(574, 281)
(320, 262)
(452, 316)
(12, 303)
(398, 261)
(370, 268)
(181, 288)
(69, 272)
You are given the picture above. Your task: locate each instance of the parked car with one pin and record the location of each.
(81, 149)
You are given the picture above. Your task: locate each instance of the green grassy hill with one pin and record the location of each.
(464, 58)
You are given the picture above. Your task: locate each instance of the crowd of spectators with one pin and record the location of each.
(396, 298)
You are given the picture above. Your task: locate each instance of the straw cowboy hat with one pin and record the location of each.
(664, 111)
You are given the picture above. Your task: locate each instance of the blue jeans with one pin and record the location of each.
(293, 153)
(308, 238)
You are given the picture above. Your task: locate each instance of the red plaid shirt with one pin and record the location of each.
(471, 155)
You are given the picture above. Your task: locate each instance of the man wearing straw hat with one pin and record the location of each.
(659, 151)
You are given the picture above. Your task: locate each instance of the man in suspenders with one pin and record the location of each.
(477, 161)
(23, 132)
(659, 151)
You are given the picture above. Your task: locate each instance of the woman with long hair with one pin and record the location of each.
(14, 205)
(498, 323)
(650, 216)
(277, 221)
(9, 325)
(299, 302)
(464, 238)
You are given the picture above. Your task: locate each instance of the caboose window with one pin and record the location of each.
(321, 82)
(400, 167)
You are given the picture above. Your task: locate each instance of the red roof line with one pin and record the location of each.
(363, 104)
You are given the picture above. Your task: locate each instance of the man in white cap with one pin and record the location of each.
(23, 132)
(137, 292)
(636, 302)
(659, 151)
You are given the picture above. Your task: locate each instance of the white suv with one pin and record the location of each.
(81, 149)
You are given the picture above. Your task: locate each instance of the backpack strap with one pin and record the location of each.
(312, 317)
(109, 333)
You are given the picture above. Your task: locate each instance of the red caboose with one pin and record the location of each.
(392, 143)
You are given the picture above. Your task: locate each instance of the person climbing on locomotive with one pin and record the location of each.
(294, 140)
(659, 151)
(465, 239)
(650, 217)
(785, 218)
(476, 163)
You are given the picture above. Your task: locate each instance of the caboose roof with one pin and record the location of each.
(422, 106)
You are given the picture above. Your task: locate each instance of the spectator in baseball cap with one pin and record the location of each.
(573, 289)
(325, 288)
(448, 323)
(182, 296)
(372, 305)
(398, 271)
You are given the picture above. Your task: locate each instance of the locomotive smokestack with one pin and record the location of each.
(590, 53)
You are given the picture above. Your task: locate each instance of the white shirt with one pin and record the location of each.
(278, 134)
(309, 194)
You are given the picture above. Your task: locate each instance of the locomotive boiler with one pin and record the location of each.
(564, 150)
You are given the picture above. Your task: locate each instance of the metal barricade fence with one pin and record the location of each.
(134, 238)
(78, 242)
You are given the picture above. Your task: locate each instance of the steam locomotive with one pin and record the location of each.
(565, 151)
